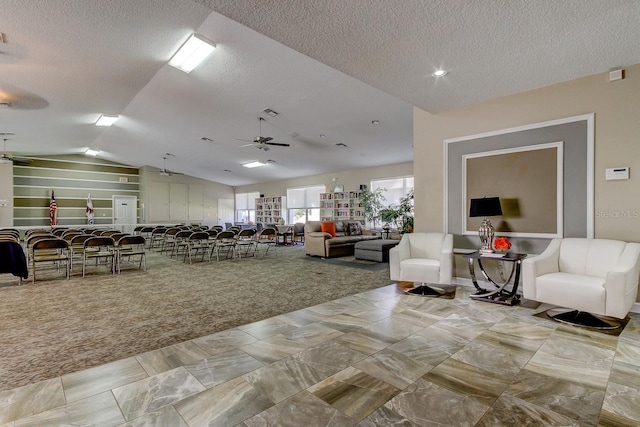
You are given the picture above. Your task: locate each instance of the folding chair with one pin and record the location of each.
(98, 247)
(245, 242)
(268, 238)
(50, 250)
(129, 247)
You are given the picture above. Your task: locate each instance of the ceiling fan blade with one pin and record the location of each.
(279, 144)
(248, 145)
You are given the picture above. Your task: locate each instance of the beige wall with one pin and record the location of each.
(350, 179)
(6, 194)
(617, 133)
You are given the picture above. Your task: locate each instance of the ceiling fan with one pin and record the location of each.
(263, 142)
(6, 158)
(166, 172)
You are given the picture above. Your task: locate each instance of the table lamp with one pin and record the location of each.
(485, 207)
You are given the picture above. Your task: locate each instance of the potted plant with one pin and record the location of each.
(401, 215)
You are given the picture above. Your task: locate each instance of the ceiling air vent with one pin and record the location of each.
(270, 112)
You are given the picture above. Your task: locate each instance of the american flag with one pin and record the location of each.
(53, 211)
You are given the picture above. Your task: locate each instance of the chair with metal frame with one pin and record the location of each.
(128, 247)
(98, 247)
(157, 236)
(52, 250)
(246, 243)
(225, 240)
(198, 242)
(76, 248)
(181, 243)
(169, 239)
(267, 239)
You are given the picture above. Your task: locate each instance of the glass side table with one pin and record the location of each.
(505, 293)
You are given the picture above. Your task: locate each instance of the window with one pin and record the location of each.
(304, 204)
(393, 189)
(246, 207)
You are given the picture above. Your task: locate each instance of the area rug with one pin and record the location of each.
(59, 326)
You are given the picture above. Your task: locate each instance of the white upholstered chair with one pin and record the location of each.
(588, 276)
(426, 258)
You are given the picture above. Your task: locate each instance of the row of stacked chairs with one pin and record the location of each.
(200, 241)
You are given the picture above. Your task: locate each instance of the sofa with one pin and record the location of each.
(323, 244)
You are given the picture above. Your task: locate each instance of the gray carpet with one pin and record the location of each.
(59, 326)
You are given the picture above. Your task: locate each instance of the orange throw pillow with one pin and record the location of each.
(328, 227)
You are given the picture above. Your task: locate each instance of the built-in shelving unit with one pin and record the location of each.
(343, 205)
(269, 209)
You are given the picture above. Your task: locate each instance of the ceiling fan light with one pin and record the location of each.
(195, 50)
(255, 164)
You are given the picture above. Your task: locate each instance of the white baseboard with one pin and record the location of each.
(469, 284)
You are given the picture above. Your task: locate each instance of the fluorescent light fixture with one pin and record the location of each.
(255, 164)
(192, 53)
(91, 152)
(439, 73)
(105, 120)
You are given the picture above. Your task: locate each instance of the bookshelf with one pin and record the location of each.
(343, 205)
(269, 209)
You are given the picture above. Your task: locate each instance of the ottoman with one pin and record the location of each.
(374, 250)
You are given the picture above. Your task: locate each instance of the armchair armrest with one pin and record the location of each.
(398, 253)
(622, 282)
(446, 260)
(545, 263)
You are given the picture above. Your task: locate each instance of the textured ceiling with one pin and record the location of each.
(328, 67)
(491, 48)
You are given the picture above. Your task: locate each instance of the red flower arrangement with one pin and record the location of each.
(502, 244)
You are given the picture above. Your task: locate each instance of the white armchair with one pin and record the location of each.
(424, 258)
(590, 276)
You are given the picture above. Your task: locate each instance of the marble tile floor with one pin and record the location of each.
(380, 358)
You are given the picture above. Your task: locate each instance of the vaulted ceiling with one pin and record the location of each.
(330, 68)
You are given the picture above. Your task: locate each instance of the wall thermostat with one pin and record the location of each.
(612, 174)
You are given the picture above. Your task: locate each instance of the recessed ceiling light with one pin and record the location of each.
(322, 135)
(106, 120)
(375, 122)
(192, 53)
(255, 164)
(91, 152)
(439, 73)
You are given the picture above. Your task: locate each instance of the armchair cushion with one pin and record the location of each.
(422, 257)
